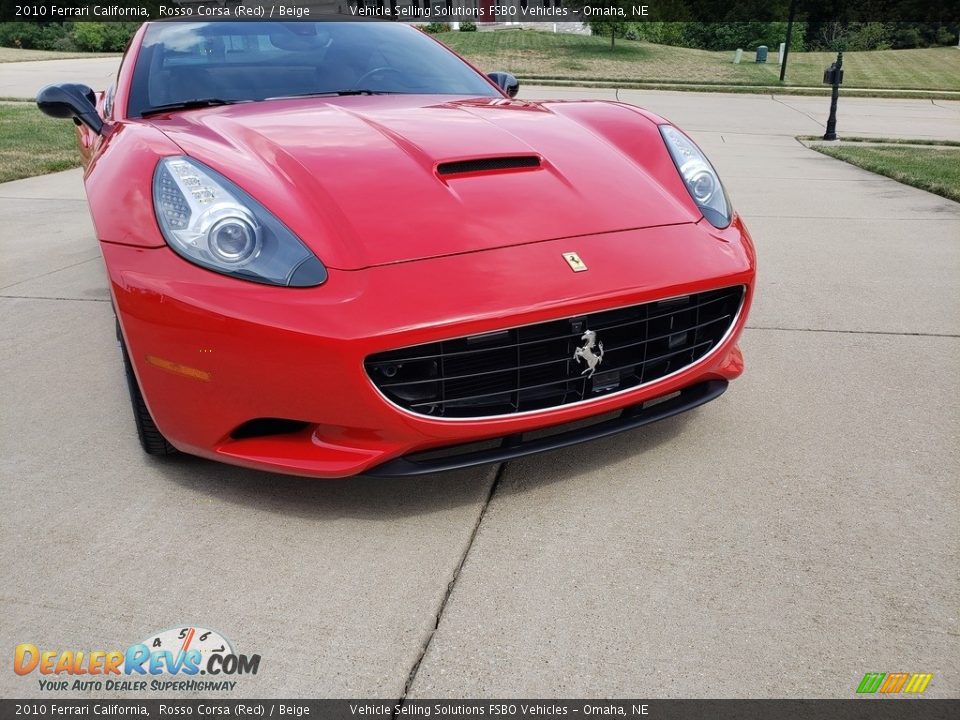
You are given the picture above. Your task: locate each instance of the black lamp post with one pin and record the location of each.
(833, 75)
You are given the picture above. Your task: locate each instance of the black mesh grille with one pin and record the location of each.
(533, 367)
(487, 164)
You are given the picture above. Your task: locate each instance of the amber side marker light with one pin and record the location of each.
(179, 369)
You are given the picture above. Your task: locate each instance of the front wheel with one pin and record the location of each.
(151, 439)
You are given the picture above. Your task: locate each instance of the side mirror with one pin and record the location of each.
(506, 82)
(71, 100)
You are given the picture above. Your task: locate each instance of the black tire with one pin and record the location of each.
(151, 439)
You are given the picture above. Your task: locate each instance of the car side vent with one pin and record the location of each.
(488, 164)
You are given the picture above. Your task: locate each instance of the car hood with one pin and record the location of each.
(357, 177)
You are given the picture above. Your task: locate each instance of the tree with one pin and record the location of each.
(608, 17)
(615, 28)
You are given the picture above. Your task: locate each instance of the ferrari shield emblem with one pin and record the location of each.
(574, 261)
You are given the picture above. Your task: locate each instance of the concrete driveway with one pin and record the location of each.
(782, 541)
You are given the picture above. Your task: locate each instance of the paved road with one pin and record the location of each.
(783, 540)
(23, 79)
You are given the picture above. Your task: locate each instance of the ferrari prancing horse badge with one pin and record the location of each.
(574, 261)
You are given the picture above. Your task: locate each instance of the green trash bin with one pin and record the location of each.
(762, 54)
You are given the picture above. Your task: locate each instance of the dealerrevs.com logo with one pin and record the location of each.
(166, 661)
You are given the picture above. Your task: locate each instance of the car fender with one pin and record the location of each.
(119, 184)
(636, 132)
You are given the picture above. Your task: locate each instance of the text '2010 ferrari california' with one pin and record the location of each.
(336, 248)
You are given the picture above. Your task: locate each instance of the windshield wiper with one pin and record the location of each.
(335, 93)
(187, 105)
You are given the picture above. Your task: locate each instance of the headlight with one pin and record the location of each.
(698, 175)
(210, 221)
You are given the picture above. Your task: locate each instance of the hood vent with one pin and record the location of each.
(488, 164)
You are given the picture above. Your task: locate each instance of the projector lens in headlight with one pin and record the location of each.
(233, 240)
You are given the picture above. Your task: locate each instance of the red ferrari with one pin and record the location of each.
(337, 248)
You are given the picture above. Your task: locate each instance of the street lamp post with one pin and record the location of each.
(834, 76)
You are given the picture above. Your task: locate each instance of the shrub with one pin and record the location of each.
(906, 37)
(20, 34)
(117, 36)
(102, 37)
(661, 33)
(747, 35)
(468, 27)
(944, 36)
(63, 44)
(70, 36)
(90, 36)
(435, 27)
(868, 36)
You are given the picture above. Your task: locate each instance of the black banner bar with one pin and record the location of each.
(854, 709)
(44, 11)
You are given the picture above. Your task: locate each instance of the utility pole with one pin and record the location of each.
(786, 47)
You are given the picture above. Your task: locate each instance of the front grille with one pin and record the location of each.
(533, 367)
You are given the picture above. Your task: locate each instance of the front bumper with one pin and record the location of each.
(213, 353)
(516, 446)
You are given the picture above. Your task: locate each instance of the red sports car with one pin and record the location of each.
(337, 248)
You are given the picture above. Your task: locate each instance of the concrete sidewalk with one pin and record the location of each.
(782, 541)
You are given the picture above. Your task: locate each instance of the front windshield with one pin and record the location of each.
(238, 61)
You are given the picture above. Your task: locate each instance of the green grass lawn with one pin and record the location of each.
(935, 169)
(535, 55)
(33, 144)
(883, 141)
(920, 69)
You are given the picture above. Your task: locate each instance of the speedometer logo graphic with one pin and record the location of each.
(182, 640)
